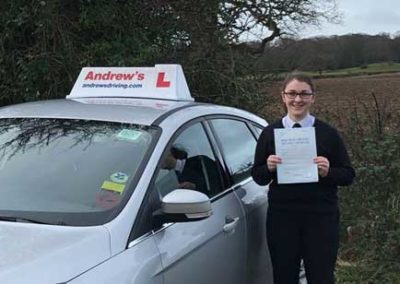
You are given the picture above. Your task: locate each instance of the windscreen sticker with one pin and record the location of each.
(129, 134)
(113, 186)
(119, 177)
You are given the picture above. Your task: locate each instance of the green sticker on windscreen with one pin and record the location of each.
(119, 177)
(129, 134)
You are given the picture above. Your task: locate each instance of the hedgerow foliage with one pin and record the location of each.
(370, 208)
(44, 44)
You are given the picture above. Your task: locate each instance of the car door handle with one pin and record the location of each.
(230, 224)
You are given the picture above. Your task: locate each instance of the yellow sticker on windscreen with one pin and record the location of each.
(113, 186)
(129, 134)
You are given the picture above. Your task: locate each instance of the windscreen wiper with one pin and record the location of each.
(21, 219)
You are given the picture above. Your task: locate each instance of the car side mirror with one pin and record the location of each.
(183, 205)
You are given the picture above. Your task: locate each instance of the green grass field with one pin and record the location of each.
(370, 69)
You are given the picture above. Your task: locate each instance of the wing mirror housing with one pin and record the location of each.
(183, 205)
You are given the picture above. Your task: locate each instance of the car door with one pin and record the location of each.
(212, 250)
(238, 144)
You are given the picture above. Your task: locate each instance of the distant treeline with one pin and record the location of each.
(329, 53)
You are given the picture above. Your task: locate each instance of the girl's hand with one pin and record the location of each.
(323, 165)
(272, 161)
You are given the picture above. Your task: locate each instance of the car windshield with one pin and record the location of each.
(68, 172)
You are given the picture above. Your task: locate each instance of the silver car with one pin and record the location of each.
(130, 190)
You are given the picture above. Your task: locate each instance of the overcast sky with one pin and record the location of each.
(362, 16)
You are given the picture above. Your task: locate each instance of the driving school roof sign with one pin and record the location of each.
(164, 81)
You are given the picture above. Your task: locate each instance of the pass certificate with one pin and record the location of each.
(297, 149)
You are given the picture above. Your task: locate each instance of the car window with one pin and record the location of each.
(189, 163)
(238, 146)
(69, 168)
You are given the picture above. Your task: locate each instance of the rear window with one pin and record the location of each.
(68, 172)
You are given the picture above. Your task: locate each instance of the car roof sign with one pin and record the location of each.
(163, 81)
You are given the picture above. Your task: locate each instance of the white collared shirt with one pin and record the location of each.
(308, 121)
(180, 164)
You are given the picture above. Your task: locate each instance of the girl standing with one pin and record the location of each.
(303, 218)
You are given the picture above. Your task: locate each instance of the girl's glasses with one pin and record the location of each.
(303, 95)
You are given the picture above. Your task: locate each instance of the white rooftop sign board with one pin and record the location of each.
(164, 81)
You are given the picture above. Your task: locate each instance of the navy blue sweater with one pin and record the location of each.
(318, 196)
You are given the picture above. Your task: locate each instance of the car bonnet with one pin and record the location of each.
(33, 253)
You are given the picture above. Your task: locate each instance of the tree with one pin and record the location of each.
(279, 17)
(212, 30)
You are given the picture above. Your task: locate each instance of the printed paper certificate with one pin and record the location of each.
(297, 149)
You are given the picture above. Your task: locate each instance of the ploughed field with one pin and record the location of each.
(349, 102)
